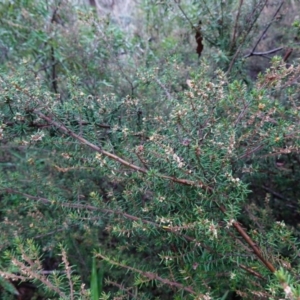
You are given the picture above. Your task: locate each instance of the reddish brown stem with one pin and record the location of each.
(251, 243)
(127, 216)
(237, 226)
(122, 161)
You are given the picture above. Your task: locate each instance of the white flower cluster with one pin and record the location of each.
(231, 144)
(179, 161)
(37, 137)
(19, 117)
(100, 159)
(163, 220)
(212, 229)
(280, 224)
(204, 297)
(161, 199)
(230, 223)
(232, 179)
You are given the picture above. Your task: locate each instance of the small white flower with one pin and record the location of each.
(230, 223)
(37, 137)
(288, 291)
(161, 199)
(281, 224)
(18, 117)
(213, 230)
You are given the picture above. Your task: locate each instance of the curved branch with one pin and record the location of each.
(114, 157)
(237, 225)
(263, 53)
(266, 29)
(128, 217)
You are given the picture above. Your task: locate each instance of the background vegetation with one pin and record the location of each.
(149, 149)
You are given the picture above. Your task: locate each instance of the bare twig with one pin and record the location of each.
(263, 53)
(244, 38)
(288, 53)
(191, 23)
(236, 24)
(268, 26)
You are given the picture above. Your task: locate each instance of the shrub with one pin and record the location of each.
(174, 187)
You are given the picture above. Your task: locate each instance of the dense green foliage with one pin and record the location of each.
(131, 169)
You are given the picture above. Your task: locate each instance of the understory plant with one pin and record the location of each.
(150, 179)
(165, 196)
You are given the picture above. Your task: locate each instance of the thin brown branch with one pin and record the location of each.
(251, 271)
(236, 24)
(287, 54)
(142, 160)
(69, 132)
(105, 210)
(177, 180)
(251, 243)
(191, 23)
(267, 27)
(125, 215)
(263, 53)
(185, 15)
(27, 271)
(254, 246)
(244, 39)
(249, 152)
(121, 287)
(122, 161)
(168, 94)
(149, 275)
(241, 114)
